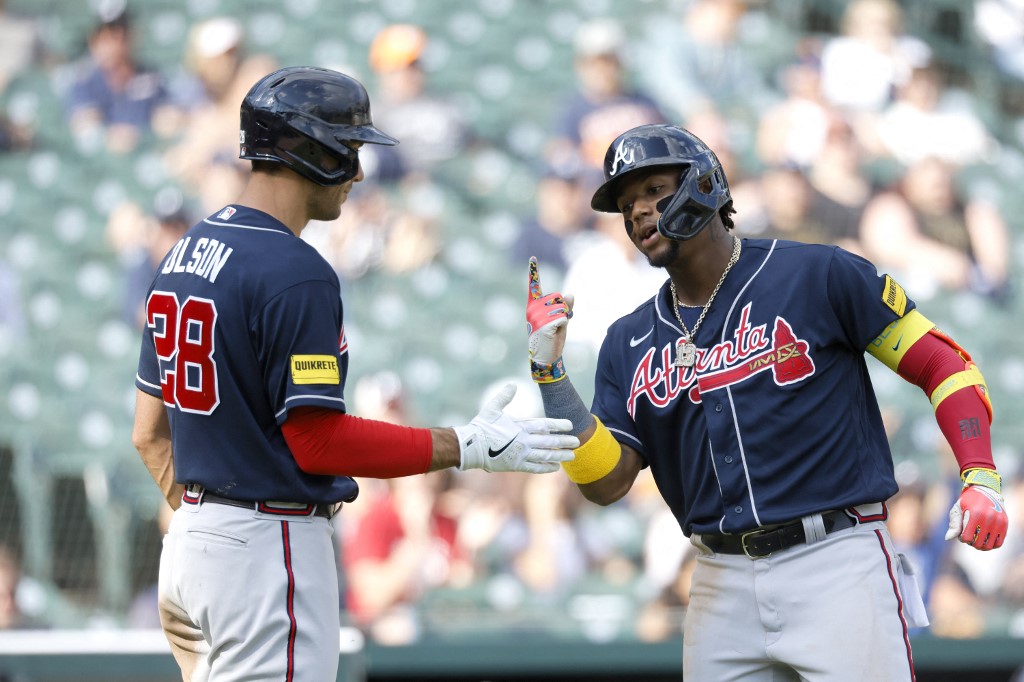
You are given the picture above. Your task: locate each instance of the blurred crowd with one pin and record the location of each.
(859, 135)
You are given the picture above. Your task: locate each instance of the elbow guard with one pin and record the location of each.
(939, 374)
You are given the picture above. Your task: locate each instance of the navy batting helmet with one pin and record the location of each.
(303, 117)
(685, 213)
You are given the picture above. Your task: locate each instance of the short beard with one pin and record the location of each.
(666, 258)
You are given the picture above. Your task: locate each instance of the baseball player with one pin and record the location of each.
(742, 384)
(242, 374)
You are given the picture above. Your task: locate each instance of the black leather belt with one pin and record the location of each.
(761, 542)
(197, 495)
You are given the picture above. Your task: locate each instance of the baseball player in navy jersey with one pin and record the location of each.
(743, 385)
(241, 415)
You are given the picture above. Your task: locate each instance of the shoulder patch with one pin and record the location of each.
(315, 369)
(894, 296)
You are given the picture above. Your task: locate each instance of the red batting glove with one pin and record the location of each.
(546, 318)
(978, 518)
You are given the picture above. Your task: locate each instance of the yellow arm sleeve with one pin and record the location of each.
(596, 458)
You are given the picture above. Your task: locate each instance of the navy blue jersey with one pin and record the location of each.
(244, 323)
(778, 418)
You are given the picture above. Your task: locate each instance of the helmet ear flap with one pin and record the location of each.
(691, 208)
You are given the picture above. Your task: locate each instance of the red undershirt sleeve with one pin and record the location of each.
(333, 443)
(963, 416)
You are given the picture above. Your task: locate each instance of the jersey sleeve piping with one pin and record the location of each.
(146, 387)
(311, 399)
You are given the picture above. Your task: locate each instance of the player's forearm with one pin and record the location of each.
(151, 436)
(915, 350)
(331, 443)
(445, 451)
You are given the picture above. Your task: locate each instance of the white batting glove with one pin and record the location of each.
(493, 441)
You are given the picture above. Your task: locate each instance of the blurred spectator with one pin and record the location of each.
(917, 523)
(113, 100)
(669, 560)
(791, 212)
(561, 218)
(403, 544)
(933, 237)
(220, 73)
(393, 229)
(861, 67)
(786, 204)
(615, 277)
(701, 63)
(142, 240)
(840, 189)
(430, 125)
(794, 130)
(1000, 23)
(604, 104)
(925, 120)
(22, 45)
(22, 49)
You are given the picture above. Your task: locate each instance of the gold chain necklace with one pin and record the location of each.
(686, 350)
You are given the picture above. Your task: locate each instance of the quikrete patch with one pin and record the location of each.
(315, 369)
(894, 296)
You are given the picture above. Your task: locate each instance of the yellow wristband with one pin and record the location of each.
(596, 458)
(983, 477)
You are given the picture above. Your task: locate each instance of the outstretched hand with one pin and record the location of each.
(493, 441)
(546, 320)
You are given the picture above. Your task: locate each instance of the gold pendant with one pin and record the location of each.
(686, 354)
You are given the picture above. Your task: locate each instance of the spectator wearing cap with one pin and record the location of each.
(113, 99)
(219, 72)
(141, 240)
(561, 216)
(603, 105)
(431, 127)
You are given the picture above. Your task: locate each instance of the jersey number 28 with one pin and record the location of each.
(183, 336)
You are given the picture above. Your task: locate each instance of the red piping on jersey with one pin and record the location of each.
(293, 626)
(899, 604)
(333, 443)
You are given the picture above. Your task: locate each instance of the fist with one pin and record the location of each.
(546, 320)
(978, 518)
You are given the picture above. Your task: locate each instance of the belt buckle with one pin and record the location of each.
(743, 543)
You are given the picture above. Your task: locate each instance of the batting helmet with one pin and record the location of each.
(685, 213)
(302, 117)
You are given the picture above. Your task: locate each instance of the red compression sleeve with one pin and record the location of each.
(963, 417)
(337, 444)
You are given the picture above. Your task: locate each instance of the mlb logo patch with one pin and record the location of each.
(226, 213)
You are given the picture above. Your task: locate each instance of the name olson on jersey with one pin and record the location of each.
(206, 260)
(749, 352)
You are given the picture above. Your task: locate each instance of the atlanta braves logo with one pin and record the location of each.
(750, 352)
(623, 155)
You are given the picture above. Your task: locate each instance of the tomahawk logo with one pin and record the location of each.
(623, 155)
(750, 352)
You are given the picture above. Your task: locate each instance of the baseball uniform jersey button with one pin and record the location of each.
(738, 510)
(718, 407)
(728, 459)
